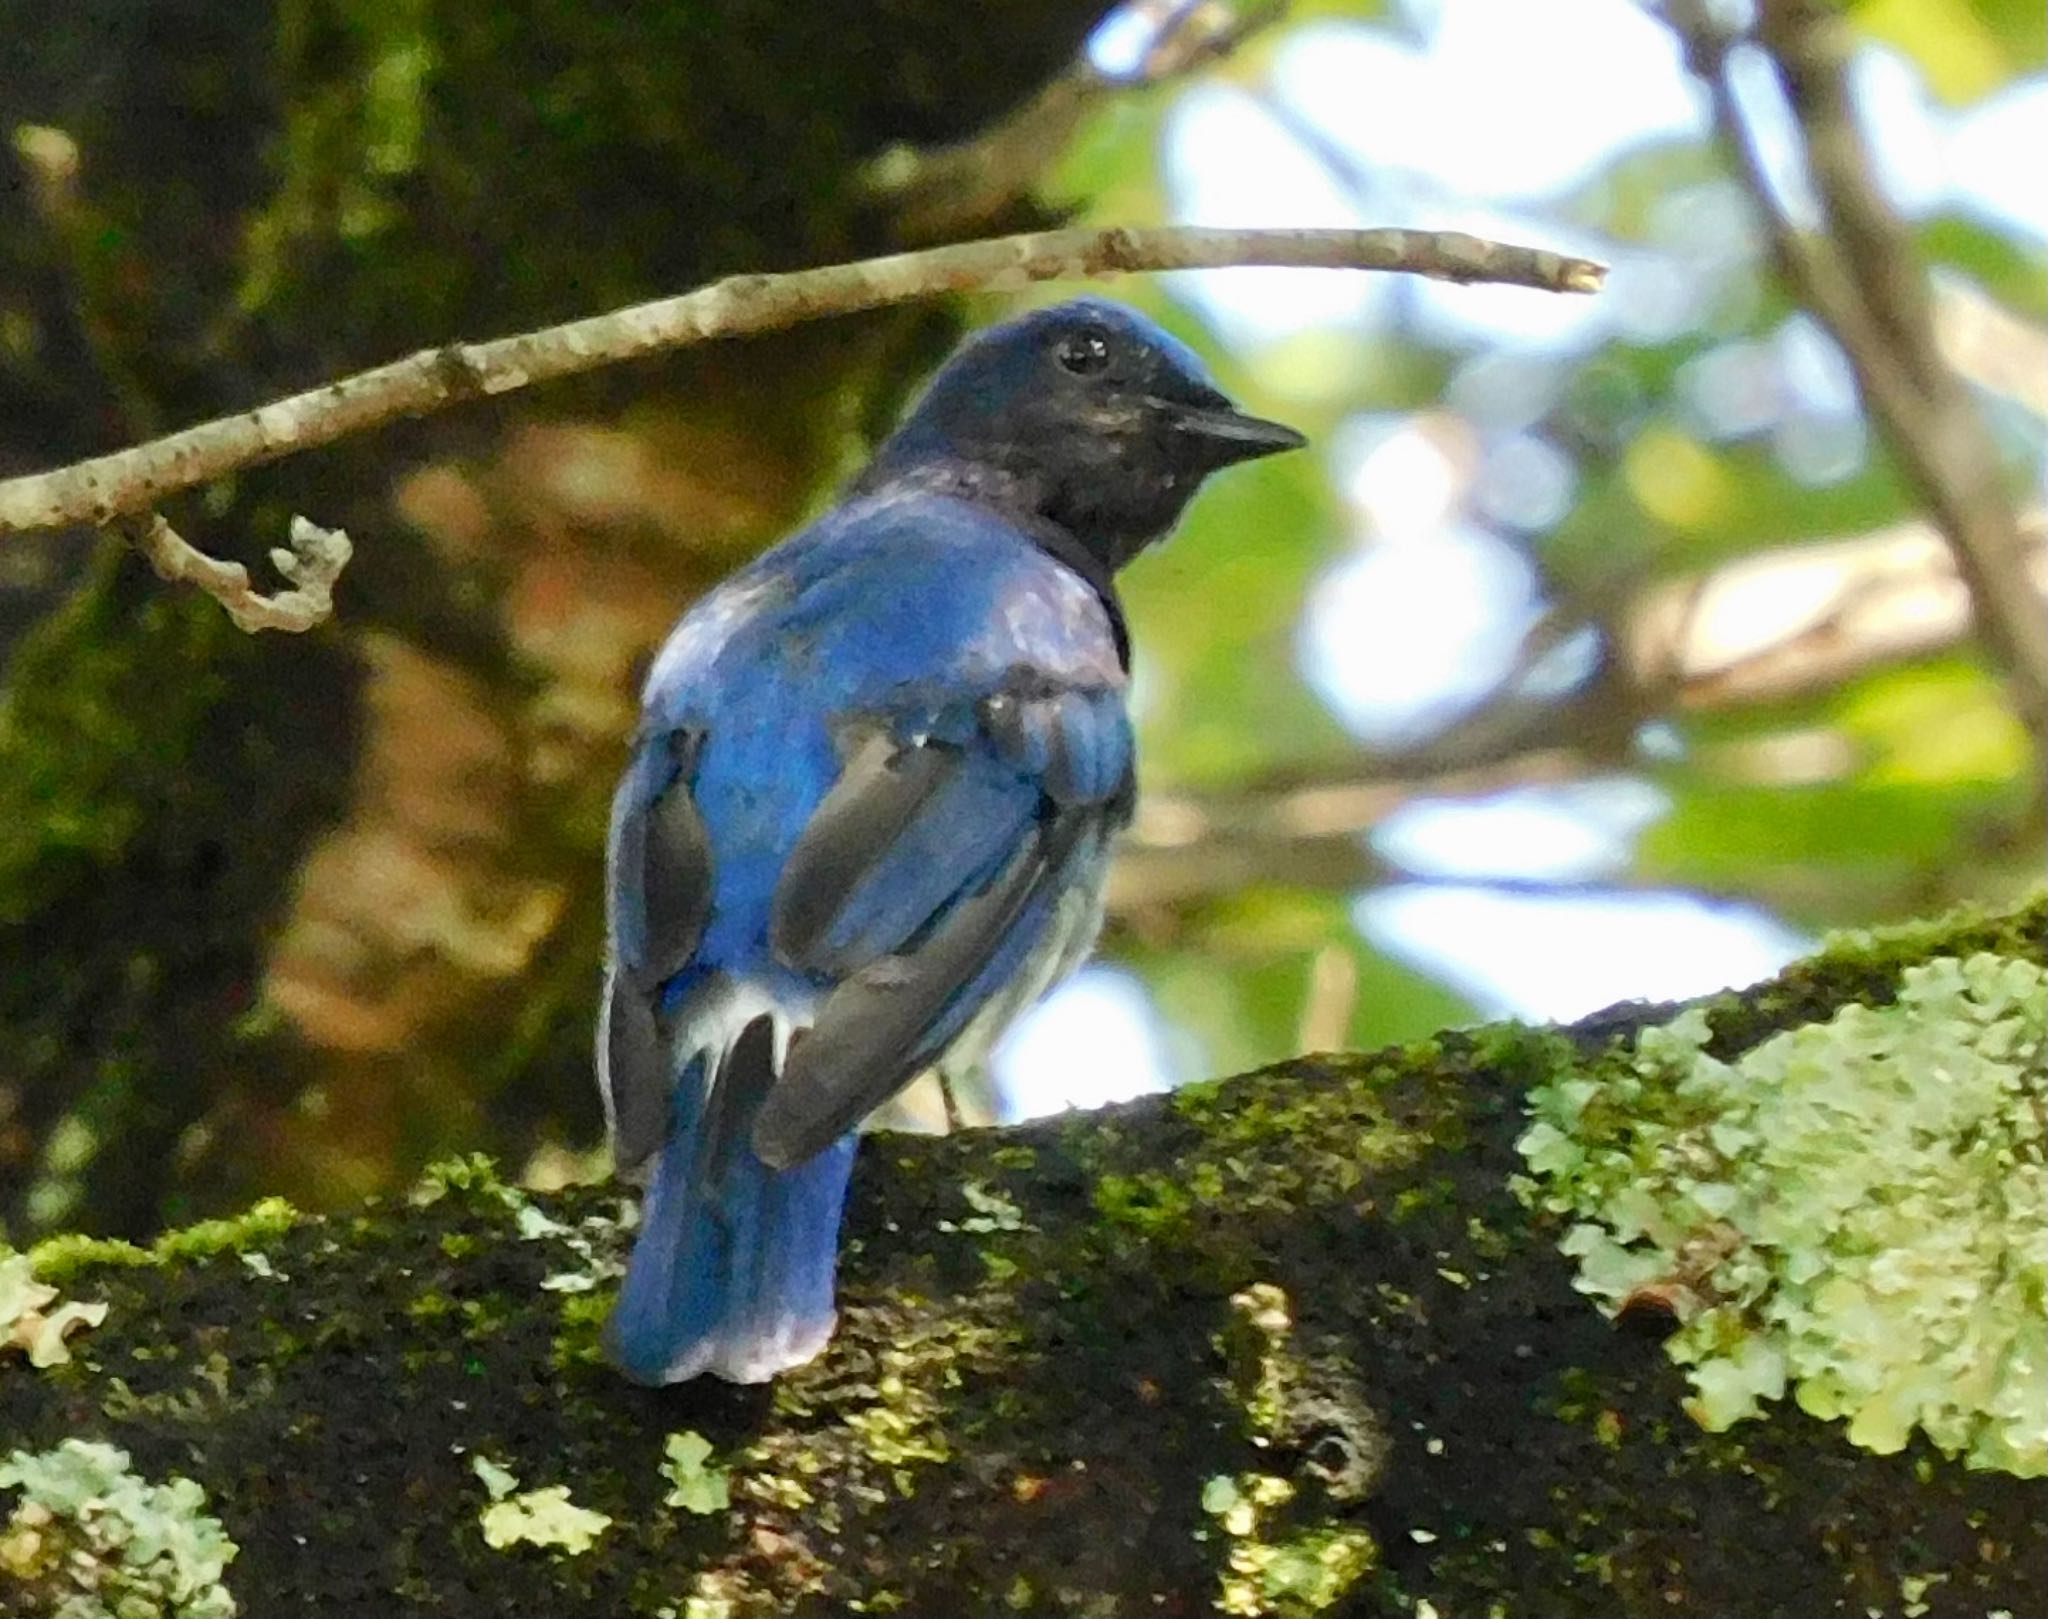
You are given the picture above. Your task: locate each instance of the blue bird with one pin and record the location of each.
(869, 810)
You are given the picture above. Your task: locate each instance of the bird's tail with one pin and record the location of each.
(733, 1269)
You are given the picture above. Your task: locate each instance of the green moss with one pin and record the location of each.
(259, 1227)
(488, 1316)
(2017, 931)
(474, 1174)
(1314, 1129)
(1400, 1353)
(59, 1258)
(1277, 1564)
(1865, 965)
(1517, 1053)
(205, 1398)
(89, 1538)
(1851, 1211)
(886, 1427)
(1150, 1204)
(1301, 1575)
(1291, 1574)
(594, 1244)
(137, 728)
(581, 1339)
(1262, 1313)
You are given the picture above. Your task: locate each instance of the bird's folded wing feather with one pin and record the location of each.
(657, 901)
(932, 863)
(925, 878)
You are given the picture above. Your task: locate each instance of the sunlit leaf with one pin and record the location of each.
(1741, 499)
(2011, 270)
(1947, 723)
(1967, 48)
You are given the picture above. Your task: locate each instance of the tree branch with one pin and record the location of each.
(1891, 596)
(1863, 279)
(1187, 847)
(1685, 644)
(313, 564)
(931, 193)
(137, 480)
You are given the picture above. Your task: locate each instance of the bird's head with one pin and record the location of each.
(1086, 415)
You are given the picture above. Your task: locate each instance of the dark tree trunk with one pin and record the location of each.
(304, 913)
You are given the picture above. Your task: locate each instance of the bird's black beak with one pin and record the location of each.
(1223, 435)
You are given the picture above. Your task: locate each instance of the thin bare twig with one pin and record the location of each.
(1863, 279)
(312, 565)
(1877, 600)
(940, 192)
(138, 480)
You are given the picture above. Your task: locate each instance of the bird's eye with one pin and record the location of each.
(1084, 351)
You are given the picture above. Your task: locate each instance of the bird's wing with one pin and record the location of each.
(982, 752)
(657, 903)
(924, 880)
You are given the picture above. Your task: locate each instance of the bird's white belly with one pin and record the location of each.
(1076, 923)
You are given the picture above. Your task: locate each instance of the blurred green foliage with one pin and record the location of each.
(1933, 790)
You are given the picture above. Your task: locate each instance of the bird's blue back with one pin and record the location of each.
(907, 605)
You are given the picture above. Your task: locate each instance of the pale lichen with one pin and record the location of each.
(992, 1212)
(1854, 1210)
(1398, 1353)
(545, 1517)
(27, 1321)
(694, 1485)
(89, 1539)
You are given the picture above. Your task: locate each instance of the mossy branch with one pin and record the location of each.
(1287, 1344)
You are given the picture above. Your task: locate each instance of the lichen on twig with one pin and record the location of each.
(312, 565)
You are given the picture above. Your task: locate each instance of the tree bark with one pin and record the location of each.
(262, 909)
(1282, 1344)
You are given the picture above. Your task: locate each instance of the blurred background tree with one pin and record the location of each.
(1602, 648)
